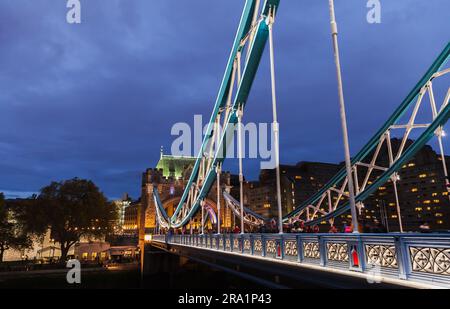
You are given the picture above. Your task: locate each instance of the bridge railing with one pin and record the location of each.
(414, 257)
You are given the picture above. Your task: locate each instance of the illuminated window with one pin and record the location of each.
(382, 188)
(298, 177)
(418, 208)
(391, 204)
(414, 190)
(84, 256)
(394, 216)
(439, 222)
(267, 205)
(311, 178)
(438, 214)
(427, 202)
(436, 201)
(411, 164)
(434, 194)
(444, 193)
(94, 255)
(422, 175)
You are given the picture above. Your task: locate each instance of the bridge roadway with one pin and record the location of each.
(321, 260)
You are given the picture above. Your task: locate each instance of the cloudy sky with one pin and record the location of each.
(98, 99)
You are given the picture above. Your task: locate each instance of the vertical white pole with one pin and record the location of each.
(218, 171)
(397, 203)
(444, 164)
(218, 200)
(275, 121)
(203, 217)
(394, 179)
(240, 113)
(348, 166)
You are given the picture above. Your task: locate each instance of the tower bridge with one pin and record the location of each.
(175, 202)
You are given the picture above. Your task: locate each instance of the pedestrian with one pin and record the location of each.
(368, 228)
(316, 229)
(425, 228)
(333, 229)
(349, 228)
(344, 226)
(380, 228)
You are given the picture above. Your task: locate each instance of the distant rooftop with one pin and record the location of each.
(174, 166)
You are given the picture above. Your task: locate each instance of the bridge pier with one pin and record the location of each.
(159, 261)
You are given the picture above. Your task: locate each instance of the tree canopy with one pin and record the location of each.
(73, 209)
(12, 234)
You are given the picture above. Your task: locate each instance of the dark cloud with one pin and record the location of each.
(98, 99)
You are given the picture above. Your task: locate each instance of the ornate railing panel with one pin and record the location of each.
(337, 252)
(381, 255)
(413, 257)
(430, 260)
(311, 250)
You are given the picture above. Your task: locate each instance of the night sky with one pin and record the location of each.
(97, 100)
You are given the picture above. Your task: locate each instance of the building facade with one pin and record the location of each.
(422, 192)
(298, 183)
(170, 177)
(423, 195)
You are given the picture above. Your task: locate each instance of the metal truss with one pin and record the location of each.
(250, 218)
(368, 171)
(250, 41)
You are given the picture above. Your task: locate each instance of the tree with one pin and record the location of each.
(73, 209)
(12, 234)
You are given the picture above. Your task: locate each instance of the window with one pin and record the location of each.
(414, 190)
(84, 256)
(439, 222)
(438, 214)
(411, 164)
(298, 177)
(382, 188)
(422, 175)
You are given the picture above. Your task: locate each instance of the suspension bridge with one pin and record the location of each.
(398, 258)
